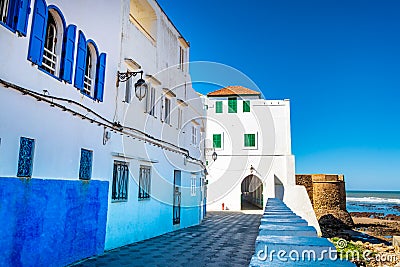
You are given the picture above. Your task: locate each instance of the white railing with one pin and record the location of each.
(87, 85)
(49, 61)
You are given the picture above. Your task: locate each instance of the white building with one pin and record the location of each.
(249, 154)
(85, 166)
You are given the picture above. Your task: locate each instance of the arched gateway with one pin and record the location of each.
(252, 193)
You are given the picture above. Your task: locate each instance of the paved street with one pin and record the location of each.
(223, 239)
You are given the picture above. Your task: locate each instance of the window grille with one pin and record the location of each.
(85, 169)
(120, 181)
(144, 182)
(25, 160)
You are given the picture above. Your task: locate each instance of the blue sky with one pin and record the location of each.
(338, 62)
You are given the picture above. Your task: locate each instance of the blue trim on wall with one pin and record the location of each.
(51, 222)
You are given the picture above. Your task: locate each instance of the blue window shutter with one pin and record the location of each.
(23, 15)
(80, 61)
(38, 32)
(68, 53)
(100, 76)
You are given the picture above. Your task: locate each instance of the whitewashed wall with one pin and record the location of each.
(272, 157)
(59, 136)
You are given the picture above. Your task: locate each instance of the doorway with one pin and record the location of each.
(252, 193)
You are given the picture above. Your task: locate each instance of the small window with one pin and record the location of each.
(25, 159)
(120, 181)
(167, 117)
(180, 118)
(85, 169)
(217, 140)
(232, 105)
(218, 107)
(152, 102)
(144, 182)
(193, 186)
(246, 106)
(194, 135)
(182, 56)
(249, 140)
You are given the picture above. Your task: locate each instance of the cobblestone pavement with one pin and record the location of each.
(222, 239)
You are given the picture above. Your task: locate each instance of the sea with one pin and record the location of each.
(373, 201)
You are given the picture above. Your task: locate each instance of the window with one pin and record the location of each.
(120, 181)
(249, 140)
(167, 114)
(50, 60)
(85, 169)
(14, 14)
(176, 209)
(89, 72)
(152, 102)
(182, 56)
(246, 106)
(232, 105)
(25, 159)
(194, 135)
(218, 107)
(52, 44)
(180, 118)
(193, 186)
(144, 182)
(217, 140)
(89, 69)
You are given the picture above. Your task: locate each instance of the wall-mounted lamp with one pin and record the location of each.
(140, 85)
(214, 156)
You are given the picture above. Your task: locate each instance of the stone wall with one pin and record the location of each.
(328, 197)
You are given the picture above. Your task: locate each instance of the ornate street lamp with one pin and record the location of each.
(140, 85)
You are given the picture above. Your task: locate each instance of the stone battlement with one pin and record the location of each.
(327, 193)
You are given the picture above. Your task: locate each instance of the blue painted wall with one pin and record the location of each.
(51, 222)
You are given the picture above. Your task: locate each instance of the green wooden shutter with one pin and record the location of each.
(218, 107)
(246, 106)
(217, 140)
(232, 105)
(249, 140)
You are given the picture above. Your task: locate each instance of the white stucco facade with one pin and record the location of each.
(269, 159)
(114, 130)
